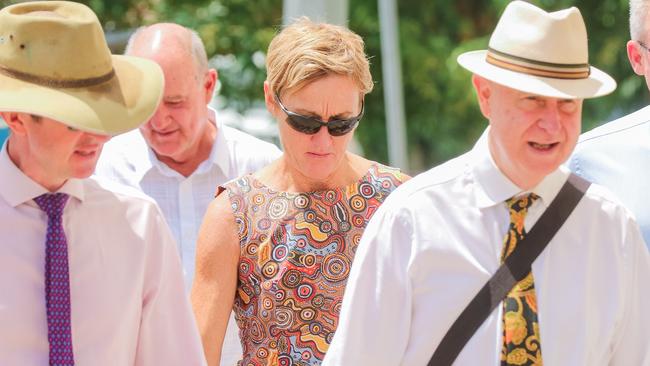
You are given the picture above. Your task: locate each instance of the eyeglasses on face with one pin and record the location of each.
(311, 125)
(643, 46)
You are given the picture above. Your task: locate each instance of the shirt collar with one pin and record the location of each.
(17, 188)
(219, 155)
(493, 187)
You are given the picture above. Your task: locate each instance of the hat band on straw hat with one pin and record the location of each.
(537, 68)
(57, 83)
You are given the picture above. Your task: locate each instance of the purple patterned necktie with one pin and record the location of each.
(57, 284)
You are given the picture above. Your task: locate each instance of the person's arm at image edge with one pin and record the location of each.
(215, 279)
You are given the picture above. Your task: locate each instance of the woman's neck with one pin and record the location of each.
(283, 176)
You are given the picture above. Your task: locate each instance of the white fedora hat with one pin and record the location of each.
(55, 63)
(540, 53)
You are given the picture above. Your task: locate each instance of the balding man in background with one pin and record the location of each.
(183, 153)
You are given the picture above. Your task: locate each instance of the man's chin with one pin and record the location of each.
(83, 173)
(165, 150)
(540, 170)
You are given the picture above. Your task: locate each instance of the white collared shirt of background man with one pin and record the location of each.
(125, 277)
(437, 240)
(617, 156)
(128, 160)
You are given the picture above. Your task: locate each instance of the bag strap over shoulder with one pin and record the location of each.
(516, 266)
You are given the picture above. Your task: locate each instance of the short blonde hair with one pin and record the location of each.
(305, 51)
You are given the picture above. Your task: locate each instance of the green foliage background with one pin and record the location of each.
(442, 116)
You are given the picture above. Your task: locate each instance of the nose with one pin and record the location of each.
(550, 121)
(160, 119)
(95, 138)
(322, 138)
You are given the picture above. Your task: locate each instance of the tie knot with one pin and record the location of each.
(520, 205)
(52, 203)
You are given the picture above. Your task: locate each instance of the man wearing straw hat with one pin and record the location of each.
(463, 265)
(90, 273)
(617, 154)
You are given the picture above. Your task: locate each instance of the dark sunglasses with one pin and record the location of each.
(311, 125)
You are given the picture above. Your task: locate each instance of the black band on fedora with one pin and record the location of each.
(57, 83)
(537, 68)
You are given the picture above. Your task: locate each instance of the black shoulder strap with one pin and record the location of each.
(514, 269)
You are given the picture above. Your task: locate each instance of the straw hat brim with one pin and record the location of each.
(597, 84)
(116, 106)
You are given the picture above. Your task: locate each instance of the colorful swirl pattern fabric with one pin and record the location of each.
(296, 253)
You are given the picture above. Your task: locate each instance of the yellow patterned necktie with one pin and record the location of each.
(521, 342)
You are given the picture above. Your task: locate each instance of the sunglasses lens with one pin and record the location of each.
(310, 126)
(340, 128)
(303, 124)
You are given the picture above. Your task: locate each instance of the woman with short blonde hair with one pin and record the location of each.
(276, 246)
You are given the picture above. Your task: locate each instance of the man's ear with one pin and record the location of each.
(15, 122)
(634, 51)
(209, 84)
(483, 91)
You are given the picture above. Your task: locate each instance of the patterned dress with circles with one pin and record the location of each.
(296, 253)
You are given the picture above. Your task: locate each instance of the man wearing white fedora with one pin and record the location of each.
(90, 272)
(617, 154)
(501, 256)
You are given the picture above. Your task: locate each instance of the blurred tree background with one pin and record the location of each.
(442, 116)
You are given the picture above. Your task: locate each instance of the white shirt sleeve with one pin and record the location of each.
(168, 332)
(633, 342)
(375, 321)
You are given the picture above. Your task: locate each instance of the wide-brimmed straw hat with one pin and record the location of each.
(55, 63)
(541, 53)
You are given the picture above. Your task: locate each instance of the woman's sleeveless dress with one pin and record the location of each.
(296, 253)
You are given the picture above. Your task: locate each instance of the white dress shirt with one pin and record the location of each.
(125, 277)
(437, 240)
(128, 160)
(617, 155)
